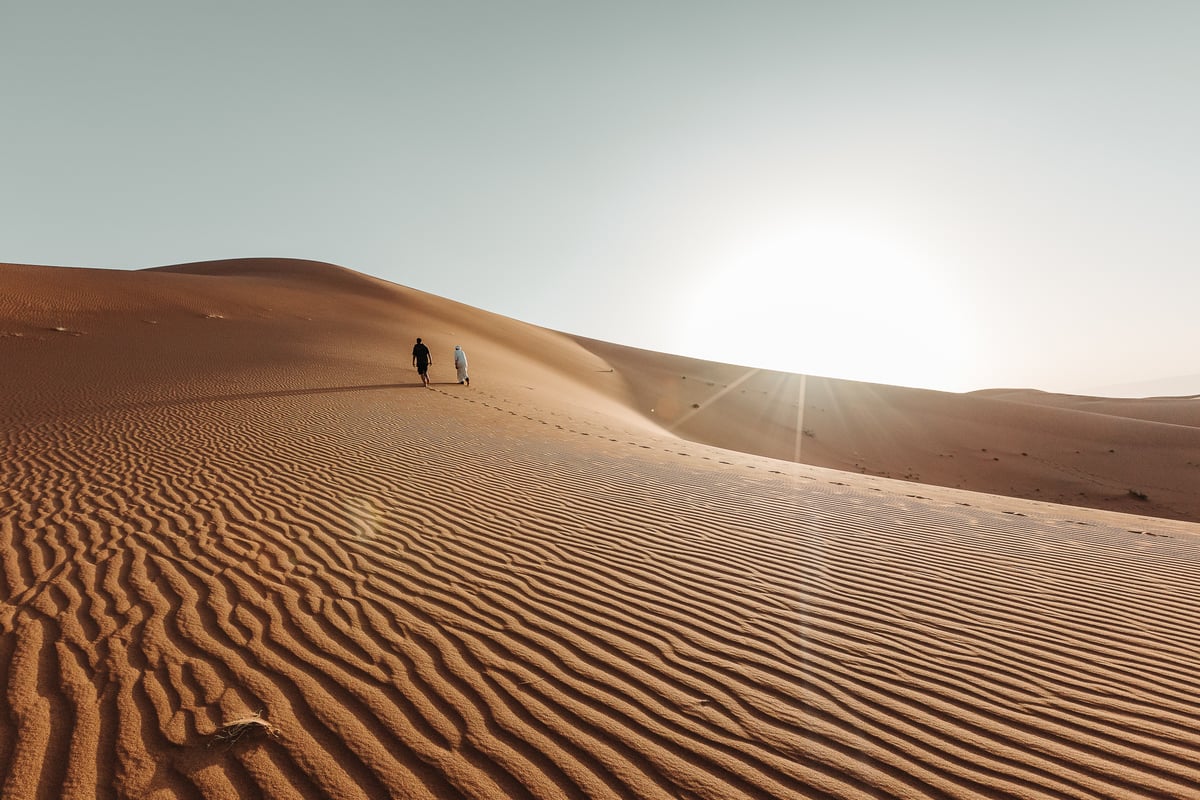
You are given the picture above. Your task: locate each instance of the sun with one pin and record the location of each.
(832, 299)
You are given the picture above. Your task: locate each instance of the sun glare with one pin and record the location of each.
(833, 300)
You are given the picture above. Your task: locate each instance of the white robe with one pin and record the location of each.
(460, 363)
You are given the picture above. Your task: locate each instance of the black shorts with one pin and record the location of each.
(422, 368)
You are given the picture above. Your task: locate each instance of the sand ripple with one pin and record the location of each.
(243, 555)
(426, 597)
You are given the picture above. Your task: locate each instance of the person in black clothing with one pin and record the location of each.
(422, 360)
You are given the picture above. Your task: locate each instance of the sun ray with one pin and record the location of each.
(747, 375)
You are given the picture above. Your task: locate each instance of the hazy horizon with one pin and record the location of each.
(947, 195)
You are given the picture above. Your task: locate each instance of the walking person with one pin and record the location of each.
(460, 364)
(421, 360)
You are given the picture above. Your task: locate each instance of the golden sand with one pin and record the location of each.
(244, 553)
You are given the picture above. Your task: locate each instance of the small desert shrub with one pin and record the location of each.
(234, 731)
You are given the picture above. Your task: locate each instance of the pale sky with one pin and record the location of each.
(954, 195)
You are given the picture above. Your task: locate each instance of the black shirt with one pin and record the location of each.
(421, 353)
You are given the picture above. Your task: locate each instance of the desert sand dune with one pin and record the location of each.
(1171, 410)
(243, 553)
(1137, 456)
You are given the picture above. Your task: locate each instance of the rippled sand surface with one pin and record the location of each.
(244, 553)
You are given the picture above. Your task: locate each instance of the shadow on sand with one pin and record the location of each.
(234, 396)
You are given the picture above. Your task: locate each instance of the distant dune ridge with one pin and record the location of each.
(1139, 456)
(244, 553)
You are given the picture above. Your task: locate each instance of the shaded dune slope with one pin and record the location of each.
(1138, 456)
(507, 591)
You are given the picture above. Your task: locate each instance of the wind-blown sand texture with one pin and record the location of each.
(243, 553)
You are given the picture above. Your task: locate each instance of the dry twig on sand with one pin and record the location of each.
(234, 731)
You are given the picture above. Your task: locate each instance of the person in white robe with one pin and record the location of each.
(460, 364)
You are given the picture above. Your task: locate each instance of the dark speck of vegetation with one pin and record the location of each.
(1136, 495)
